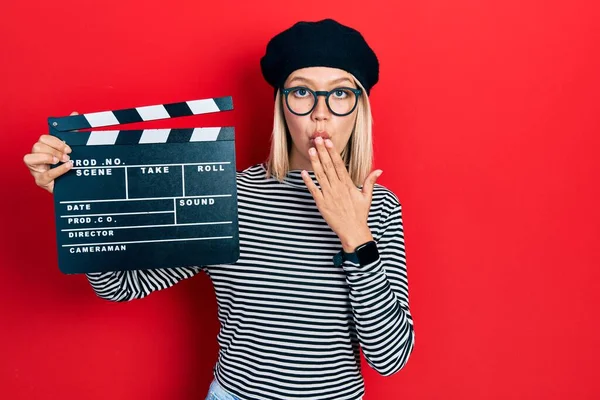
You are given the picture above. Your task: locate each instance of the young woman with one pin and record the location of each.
(322, 268)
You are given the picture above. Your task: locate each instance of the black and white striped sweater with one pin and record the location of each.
(292, 322)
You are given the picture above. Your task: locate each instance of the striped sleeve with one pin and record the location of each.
(379, 297)
(137, 284)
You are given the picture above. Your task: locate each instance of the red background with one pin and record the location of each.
(486, 127)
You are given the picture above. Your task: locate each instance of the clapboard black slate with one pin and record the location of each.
(146, 199)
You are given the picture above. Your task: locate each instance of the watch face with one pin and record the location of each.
(367, 253)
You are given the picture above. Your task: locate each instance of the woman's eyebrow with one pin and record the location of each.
(306, 80)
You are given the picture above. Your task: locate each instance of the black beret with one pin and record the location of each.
(325, 43)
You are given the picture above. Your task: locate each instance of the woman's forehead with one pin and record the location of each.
(320, 75)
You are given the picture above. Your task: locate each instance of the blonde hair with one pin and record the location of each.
(357, 155)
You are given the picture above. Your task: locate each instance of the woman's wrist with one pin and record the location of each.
(355, 239)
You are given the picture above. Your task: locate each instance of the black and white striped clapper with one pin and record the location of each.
(146, 199)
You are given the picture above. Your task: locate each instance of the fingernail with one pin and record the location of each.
(69, 164)
(379, 173)
(54, 160)
(328, 143)
(65, 157)
(319, 140)
(312, 151)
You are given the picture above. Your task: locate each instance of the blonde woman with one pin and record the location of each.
(322, 268)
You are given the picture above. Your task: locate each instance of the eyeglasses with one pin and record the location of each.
(301, 100)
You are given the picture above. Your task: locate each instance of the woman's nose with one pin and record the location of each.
(321, 111)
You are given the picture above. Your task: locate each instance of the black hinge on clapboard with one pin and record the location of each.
(65, 128)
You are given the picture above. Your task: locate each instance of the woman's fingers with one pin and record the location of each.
(46, 179)
(37, 160)
(43, 148)
(45, 153)
(317, 167)
(338, 163)
(55, 143)
(53, 173)
(325, 162)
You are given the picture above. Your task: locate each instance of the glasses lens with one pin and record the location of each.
(300, 100)
(342, 101)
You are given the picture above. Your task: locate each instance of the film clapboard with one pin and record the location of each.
(146, 199)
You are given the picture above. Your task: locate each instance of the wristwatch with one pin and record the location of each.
(364, 254)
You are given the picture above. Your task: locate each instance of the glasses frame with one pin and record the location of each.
(326, 94)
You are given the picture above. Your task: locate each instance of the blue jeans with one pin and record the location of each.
(216, 392)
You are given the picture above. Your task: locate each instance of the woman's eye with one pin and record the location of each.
(340, 93)
(301, 92)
